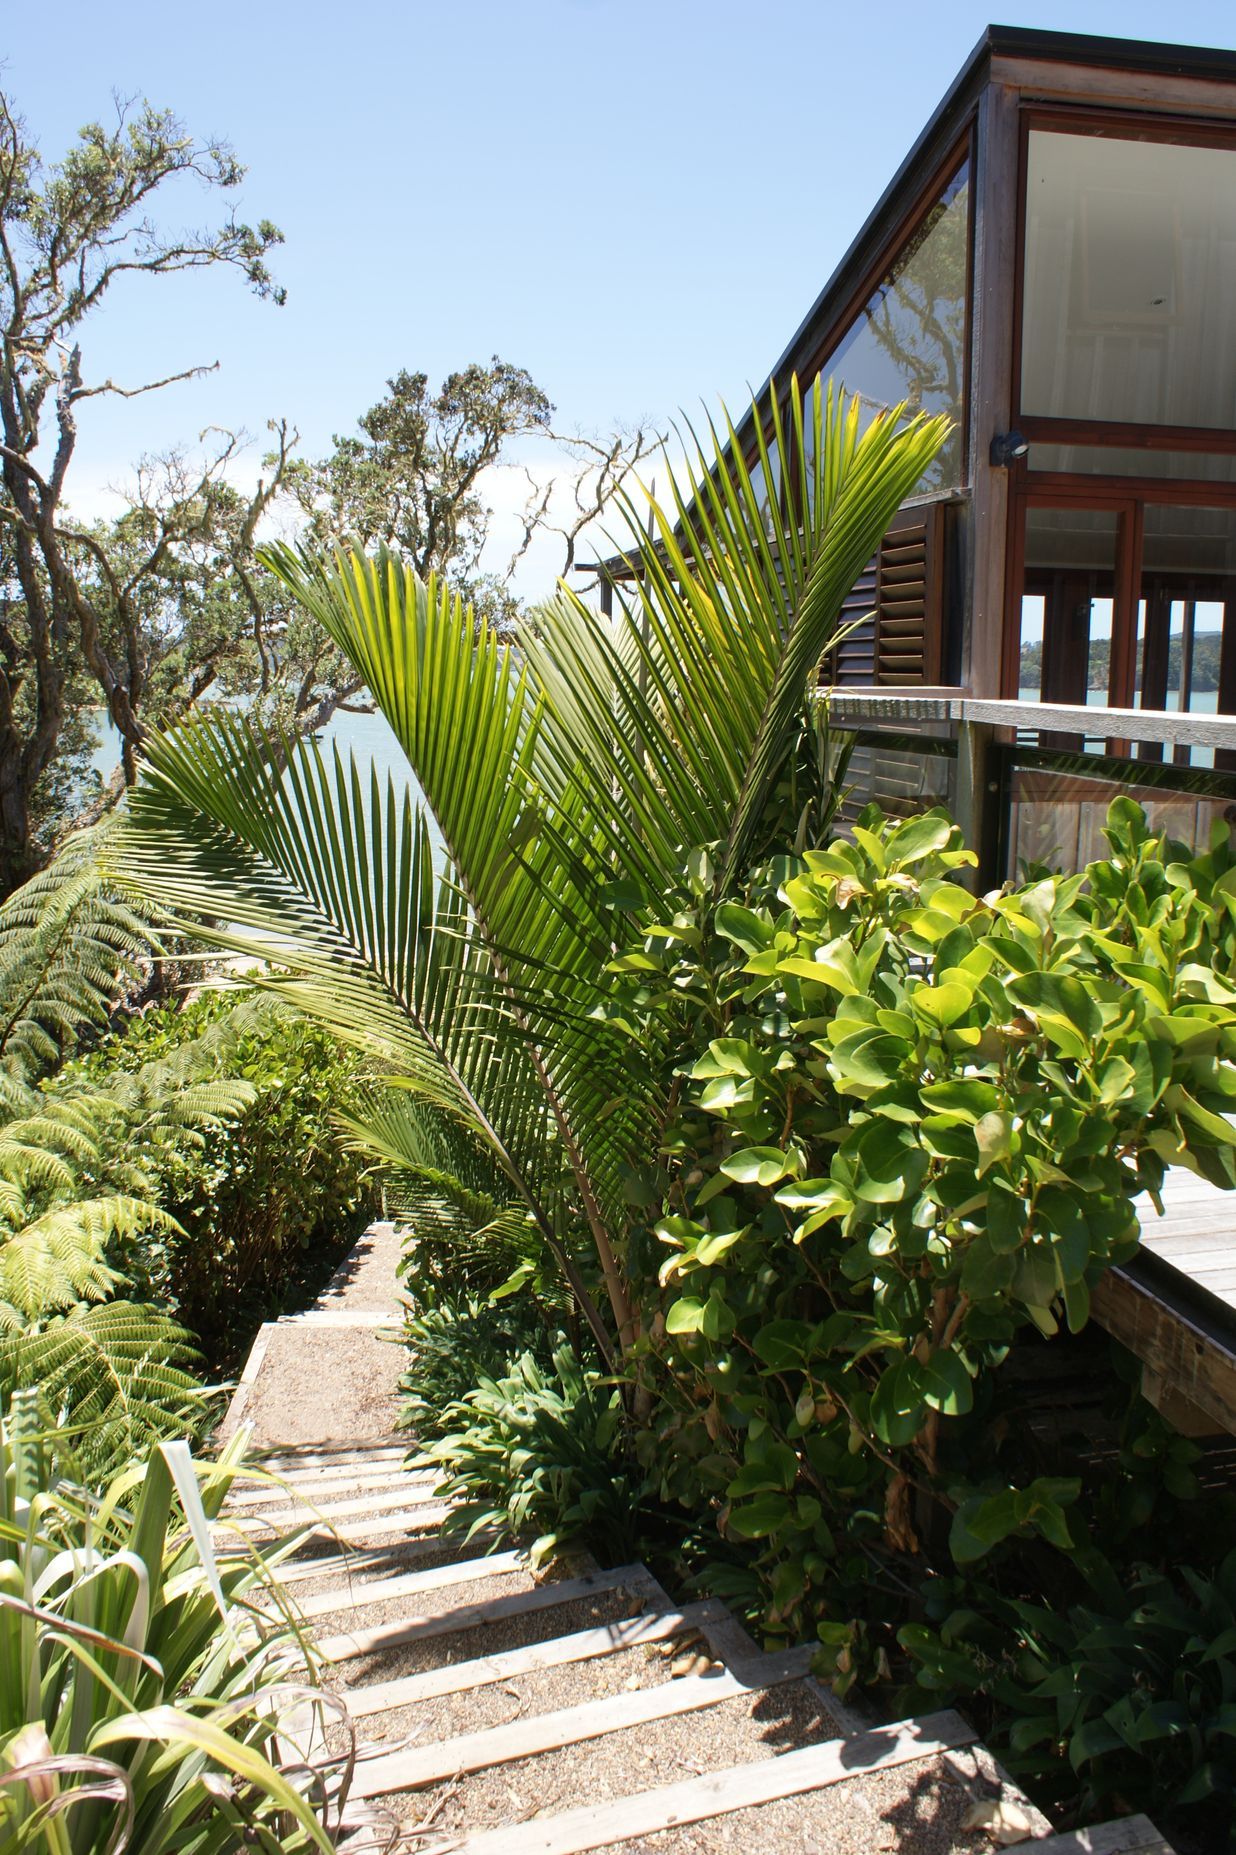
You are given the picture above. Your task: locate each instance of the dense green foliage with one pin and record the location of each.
(264, 1202)
(1125, 1698)
(138, 1709)
(824, 1153)
(165, 1180)
(530, 1455)
(911, 1124)
(454, 1342)
(601, 752)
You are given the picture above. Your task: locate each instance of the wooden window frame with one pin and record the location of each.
(1115, 125)
(1128, 499)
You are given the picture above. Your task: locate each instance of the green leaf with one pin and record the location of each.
(918, 838)
(758, 1165)
(887, 1165)
(744, 927)
(942, 1004)
(995, 1139)
(685, 1315)
(897, 1404)
(946, 1383)
(757, 1519)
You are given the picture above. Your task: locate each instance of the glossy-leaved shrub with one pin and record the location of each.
(907, 1127)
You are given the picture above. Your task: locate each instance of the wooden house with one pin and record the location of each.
(1052, 616)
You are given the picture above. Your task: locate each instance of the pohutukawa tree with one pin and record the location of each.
(77, 599)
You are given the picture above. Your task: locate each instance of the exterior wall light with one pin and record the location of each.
(1007, 447)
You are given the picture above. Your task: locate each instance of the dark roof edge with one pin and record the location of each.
(1115, 54)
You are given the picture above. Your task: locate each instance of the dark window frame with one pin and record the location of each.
(1111, 125)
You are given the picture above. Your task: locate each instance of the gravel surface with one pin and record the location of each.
(414, 1605)
(732, 1732)
(325, 1384)
(542, 1690)
(916, 1809)
(535, 1626)
(366, 1279)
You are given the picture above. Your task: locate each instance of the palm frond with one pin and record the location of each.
(560, 787)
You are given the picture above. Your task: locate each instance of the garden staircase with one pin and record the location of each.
(498, 1711)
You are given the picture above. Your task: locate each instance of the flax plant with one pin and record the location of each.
(140, 1690)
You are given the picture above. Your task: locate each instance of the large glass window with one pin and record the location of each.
(1129, 296)
(1068, 600)
(1159, 634)
(1187, 591)
(908, 342)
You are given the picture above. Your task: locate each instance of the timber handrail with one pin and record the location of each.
(1172, 726)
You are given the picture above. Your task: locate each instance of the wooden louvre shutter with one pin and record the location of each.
(899, 605)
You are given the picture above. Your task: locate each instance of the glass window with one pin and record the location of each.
(1188, 588)
(1129, 300)
(908, 343)
(1068, 600)
(1105, 460)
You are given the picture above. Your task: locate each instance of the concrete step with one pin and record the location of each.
(495, 1624)
(401, 1492)
(325, 1484)
(323, 1568)
(608, 1652)
(440, 1589)
(358, 1595)
(315, 1458)
(360, 1530)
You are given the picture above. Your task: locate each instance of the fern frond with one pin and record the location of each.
(69, 945)
(56, 1259)
(116, 1377)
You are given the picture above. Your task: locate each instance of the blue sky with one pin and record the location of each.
(635, 200)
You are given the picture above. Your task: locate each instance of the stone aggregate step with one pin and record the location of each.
(385, 1623)
(740, 1729)
(598, 1648)
(571, 1726)
(359, 1594)
(496, 1711)
(549, 1596)
(617, 1819)
(333, 1484)
(307, 1573)
(399, 1494)
(663, 1654)
(360, 1530)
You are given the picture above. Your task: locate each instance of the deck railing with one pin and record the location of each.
(1030, 782)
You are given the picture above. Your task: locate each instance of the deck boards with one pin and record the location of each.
(1196, 1234)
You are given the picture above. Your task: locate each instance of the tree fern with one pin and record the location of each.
(69, 946)
(111, 1379)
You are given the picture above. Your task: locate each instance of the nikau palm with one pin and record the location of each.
(566, 787)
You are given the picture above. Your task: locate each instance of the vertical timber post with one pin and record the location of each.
(977, 798)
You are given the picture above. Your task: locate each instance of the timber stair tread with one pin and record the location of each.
(494, 1709)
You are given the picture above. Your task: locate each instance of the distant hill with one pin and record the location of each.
(1205, 662)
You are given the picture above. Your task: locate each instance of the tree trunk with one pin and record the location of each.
(18, 859)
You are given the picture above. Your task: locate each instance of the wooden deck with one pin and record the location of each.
(1174, 1305)
(1196, 1234)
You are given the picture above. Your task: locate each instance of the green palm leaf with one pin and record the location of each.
(554, 784)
